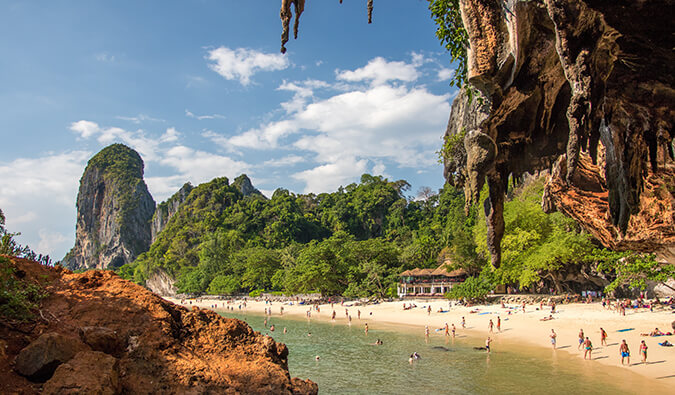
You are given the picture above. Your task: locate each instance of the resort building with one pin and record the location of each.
(429, 282)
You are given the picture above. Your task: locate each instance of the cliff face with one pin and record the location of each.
(167, 209)
(98, 333)
(565, 77)
(114, 209)
(245, 186)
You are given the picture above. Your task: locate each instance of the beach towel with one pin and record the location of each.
(625, 330)
(487, 312)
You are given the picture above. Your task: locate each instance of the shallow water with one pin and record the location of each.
(350, 363)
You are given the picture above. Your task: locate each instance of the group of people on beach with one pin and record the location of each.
(587, 345)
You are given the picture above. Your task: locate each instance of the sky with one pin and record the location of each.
(200, 89)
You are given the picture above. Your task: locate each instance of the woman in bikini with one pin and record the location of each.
(643, 352)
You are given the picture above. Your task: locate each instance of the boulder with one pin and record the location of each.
(39, 359)
(104, 339)
(89, 372)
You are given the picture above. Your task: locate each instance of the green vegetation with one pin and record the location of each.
(473, 289)
(634, 270)
(452, 35)
(354, 241)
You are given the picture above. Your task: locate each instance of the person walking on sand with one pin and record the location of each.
(553, 337)
(625, 352)
(499, 324)
(603, 337)
(523, 307)
(490, 326)
(429, 310)
(643, 351)
(447, 329)
(333, 316)
(359, 313)
(581, 339)
(588, 348)
(463, 323)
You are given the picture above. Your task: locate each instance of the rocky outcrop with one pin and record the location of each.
(114, 209)
(245, 186)
(565, 77)
(141, 343)
(167, 209)
(161, 283)
(39, 359)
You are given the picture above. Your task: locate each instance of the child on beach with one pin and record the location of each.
(625, 352)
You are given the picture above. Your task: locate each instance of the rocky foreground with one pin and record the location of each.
(98, 333)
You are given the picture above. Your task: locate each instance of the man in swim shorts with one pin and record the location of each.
(487, 344)
(588, 348)
(625, 352)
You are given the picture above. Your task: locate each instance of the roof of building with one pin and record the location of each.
(439, 271)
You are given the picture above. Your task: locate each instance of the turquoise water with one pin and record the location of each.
(350, 363)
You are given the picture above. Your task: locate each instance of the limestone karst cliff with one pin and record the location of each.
(167, 209)
(245, 186)
(565, 77)
(114, 209)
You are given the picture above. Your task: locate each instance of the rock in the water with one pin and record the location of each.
(104, 339)
(114, 209)
(89, 372)
(39, 359)
(167, 209)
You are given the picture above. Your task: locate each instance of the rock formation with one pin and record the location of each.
(245, 186)
(565, 77)
(98, 333)
(114, 209)
(167, 209)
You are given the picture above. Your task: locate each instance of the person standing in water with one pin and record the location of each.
(499, 324)
(453, 331)
(643, 352)
(487, 344)
(625, 352)
(447, 329)
(553, 337)
(426, 330)
(366, 328)
(588, 348)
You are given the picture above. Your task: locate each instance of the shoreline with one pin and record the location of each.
(519, 331)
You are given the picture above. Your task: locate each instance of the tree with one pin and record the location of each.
(635, 270)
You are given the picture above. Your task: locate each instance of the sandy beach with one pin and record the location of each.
(517, 328)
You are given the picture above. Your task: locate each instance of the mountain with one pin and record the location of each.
(114, 209)
(167, 209)
(245, 186)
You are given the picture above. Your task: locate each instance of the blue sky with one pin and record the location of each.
(200, 90)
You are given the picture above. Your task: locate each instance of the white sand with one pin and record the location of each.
(518, 328)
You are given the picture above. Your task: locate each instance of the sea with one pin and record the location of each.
(349, 362)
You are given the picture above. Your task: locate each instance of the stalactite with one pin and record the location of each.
(285, 15)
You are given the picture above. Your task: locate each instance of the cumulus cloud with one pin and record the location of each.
(289, 160)
(147, 146)
(379, 70)
(39, 193)
(445, 74)
(328, 177)
(242, 63)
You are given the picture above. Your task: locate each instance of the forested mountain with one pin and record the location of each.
(354, 240)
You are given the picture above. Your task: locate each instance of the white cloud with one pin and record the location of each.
(445, 74)
(105, 57)
(146, 146)
(190, 114)
(328, 177)
(39, 193)
(289, 160)
(379, 71)
(170, 135)
(140, 118)
(242, 63)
